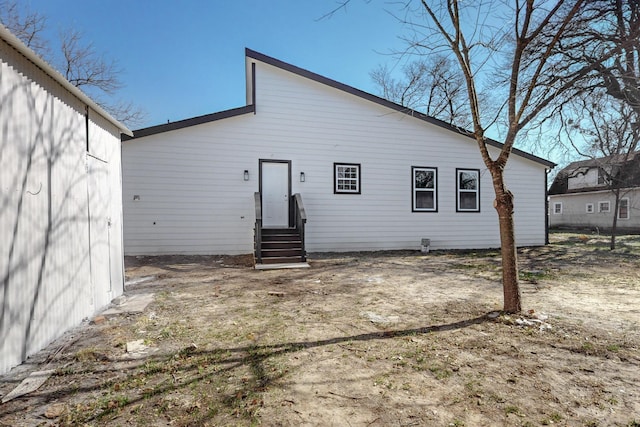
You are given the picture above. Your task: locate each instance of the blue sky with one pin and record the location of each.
(182, 59)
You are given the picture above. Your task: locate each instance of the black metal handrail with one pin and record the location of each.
(300, 221)
(257, 238)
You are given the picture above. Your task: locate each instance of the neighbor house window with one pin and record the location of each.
(468, 190)
(602, 177)
(604, 207)
(589, 207)
(623, 209)
(346, 178)
(557, 208)
(424, 188)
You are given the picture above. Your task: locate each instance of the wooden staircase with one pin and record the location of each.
(282, 246)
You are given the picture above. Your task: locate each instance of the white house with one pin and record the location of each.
(582, 194)
(370, 174)
(61, 252)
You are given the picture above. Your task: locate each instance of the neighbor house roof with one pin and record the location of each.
(25, 51)
(627, 175)
(334, 84)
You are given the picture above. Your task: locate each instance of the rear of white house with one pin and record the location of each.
(370, 174)
(61, 252)
(583, 194)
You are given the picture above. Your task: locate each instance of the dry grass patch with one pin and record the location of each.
(394, 338)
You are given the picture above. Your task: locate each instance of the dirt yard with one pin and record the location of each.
(358, 339)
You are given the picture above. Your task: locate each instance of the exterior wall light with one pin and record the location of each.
(246, 175)
(302, 177)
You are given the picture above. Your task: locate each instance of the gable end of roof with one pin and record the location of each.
(331, 83)
(384, 102)
(628, 175)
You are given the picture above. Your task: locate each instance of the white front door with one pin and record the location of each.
(275, 194)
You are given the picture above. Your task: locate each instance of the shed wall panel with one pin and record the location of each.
(44, 251)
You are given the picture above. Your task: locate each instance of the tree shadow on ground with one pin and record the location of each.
(182, 370)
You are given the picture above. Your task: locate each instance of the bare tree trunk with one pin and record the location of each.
(614, 225)
(532, 87)
(510, 286)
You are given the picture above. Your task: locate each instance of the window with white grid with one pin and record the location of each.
(346, 178)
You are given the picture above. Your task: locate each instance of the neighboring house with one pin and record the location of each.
(371, 175)
(61, 256)
(582, 195)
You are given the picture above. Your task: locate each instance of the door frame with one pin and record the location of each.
(99, 206)
(288, 163)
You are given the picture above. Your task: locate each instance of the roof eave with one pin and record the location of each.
(193, 121)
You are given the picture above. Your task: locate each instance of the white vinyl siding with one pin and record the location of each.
(575, 215)
(193, 199)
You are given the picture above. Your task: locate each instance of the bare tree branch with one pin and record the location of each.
(433, 86)
(76, 60)
(27, 28)
(84, 68)
(342, 5)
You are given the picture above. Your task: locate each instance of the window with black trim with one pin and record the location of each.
(346, 178)
(468, 190)
(424, 189)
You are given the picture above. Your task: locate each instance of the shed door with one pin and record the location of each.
(99, 197)
(274, 183)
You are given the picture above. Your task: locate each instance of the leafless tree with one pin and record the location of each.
(512, 48)
(82, 67)
(28, 27)
(433, 86)
(604, 129)
(602, 120)
(619, 29)
(87, 70)
(621, 80)
(521, 37)
(76, 60)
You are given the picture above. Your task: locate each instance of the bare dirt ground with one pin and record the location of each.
(358, 339)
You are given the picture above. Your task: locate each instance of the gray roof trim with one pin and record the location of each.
(628, 175)
(597, 162)
(190, 122)
(25, 51)
(384, 102)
